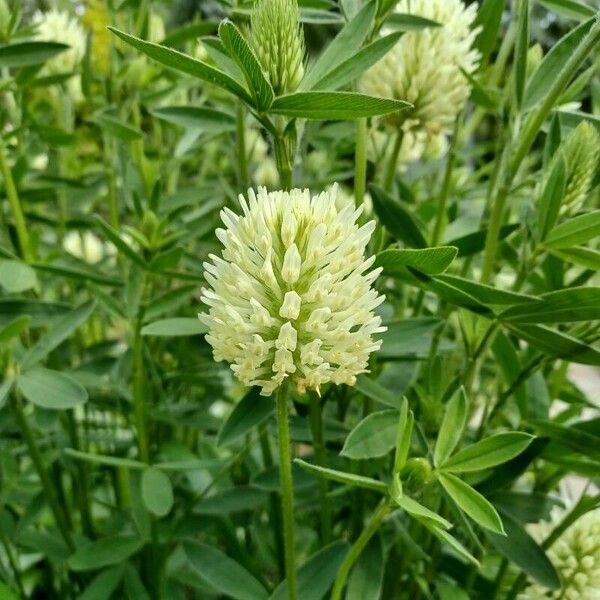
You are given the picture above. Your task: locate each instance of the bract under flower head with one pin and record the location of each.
(291, 297)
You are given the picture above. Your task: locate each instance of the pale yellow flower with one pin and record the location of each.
(291, 297)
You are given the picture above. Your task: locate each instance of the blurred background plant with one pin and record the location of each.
(465, 464)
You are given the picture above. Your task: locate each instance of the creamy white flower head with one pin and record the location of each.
(576, 557)
(86, 246)
(424, 68)
(58, 26)
(291, 298)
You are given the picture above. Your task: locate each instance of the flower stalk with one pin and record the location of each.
(287, 492)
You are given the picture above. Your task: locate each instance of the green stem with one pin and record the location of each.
(15, 206)
(357, 548)
(13, 563)
(316, 425)
(139, 407)
(388, 179)
(284, 165)
(240, 125)
(360, 162)
(276, 517)
(42, 471)
(441, 218)
(287, 492)
(113, 198)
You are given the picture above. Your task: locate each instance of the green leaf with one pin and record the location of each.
(51, 389)
(343, 47)
(430, 261)
(403, 436)
(453, 543)
(521, 549)
(16, 276)
(542, 79)
(408, 22)
(223, 573)
(488, 452)
(252, 410)
(342, 477)
(104, 552)
(562, 306)
(27, 54)
(103, 585)
(79, 272)
(521, 48)
(357, 64)
(117, 128)
(14, 328)
(489, 18)
(486, 294)
(208, 120)
(556, 343)
(579, 255)
(242, 498)
(453, 423)
(575, 231)
(6, 593)
(245, 58)
(134, 588)
(397, 218)
(122, 246)
(452, 291)
(373, 389)
(471, 502)
(157, 492)
(409, 338)
(316, 575)
(175, 327)
(374, 436)
(570, 9)
(420, 512)
(366, 579)
(552, 196)
(334, 105)
(58, 334)
(185, 64)
(526, 507)
(573, 438)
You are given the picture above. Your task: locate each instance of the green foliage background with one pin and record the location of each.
(134, 466)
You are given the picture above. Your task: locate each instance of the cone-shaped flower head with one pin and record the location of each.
(96, 19)
(582, 156)
(277, 39)
(291, 298)
(424, 68)
(576, 557)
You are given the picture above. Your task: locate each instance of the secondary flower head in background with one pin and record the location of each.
(96, 19)
(576, 557)
(291, 298)
(582, 156)
(59, 26)
(424, 68)
(278, 42)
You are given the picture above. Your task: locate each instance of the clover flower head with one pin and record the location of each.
(58, 26)
(582, 156)
(424, 68)
(576, 557)
(278, 42)
(291, 297)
